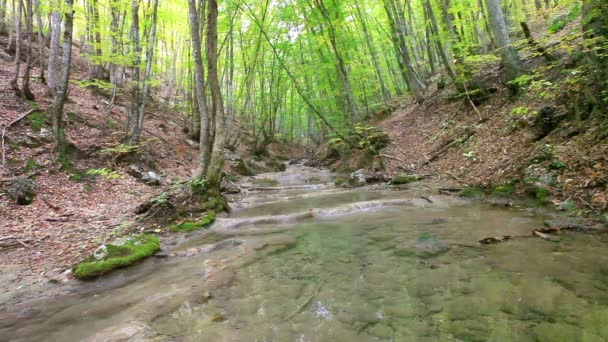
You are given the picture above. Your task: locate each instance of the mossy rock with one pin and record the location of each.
(276, 165)
(188, 226)
(471, 192)
(505, 190)
(340, 181)
(117, 256)
(404, 178)
(243, 168)
(539, 193)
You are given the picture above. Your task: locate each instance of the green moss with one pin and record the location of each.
(339, 181)
(404, 178)
(505, 190)
(471, 192)
(539, 193)
(189, 226)
(276, 165)
(36, 120)
(243, 168)
(117, 256)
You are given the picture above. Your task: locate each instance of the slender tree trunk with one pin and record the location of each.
(148, 72)
(54, 60)
(29, 23)
(63, 82)
(386, 96)
(3, 6)
(214, 173)
(199, 82)
(15, 81)
(96, 69)
(398, 27)
(509, 57)
(133, 129)
(41, 42)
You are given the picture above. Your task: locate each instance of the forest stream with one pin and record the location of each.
(299, 259)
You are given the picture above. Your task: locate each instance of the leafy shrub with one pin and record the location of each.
(104, 172)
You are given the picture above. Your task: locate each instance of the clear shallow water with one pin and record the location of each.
(352, 271)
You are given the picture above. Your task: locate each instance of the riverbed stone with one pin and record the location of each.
(357, 179)
(425, 246)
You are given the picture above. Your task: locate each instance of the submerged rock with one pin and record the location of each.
(129, 331)
(426, 246)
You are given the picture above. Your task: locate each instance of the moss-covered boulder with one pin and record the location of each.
(243, 168)
(121, 253)
(404, 178)
(188, 226)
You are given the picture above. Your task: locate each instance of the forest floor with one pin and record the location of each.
(74, 212)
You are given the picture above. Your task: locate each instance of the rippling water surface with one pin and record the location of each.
(303, 261)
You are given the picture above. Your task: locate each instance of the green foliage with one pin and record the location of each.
(520, 111)
(36, 120)
(523, 80)
(557, 165)
(117, 256)
(122, 149)
(544, 152)
(198, 186)
(470, 155)
(78, 177)
(104, 172)
(559, 23)
(31, 165)
(475, 63)
(539, 193)
(362, 137)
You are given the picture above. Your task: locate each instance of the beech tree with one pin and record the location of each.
(64, 80)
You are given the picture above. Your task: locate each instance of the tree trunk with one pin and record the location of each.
(63, 82)
(17, 69)
(386, 96)
(41, 42)
(199, 83)
(133, 129)
(29, 23)
(509, 57)
(398, 36)
(3, 6)
(214, 173)
(148, 72)
(54, 60)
